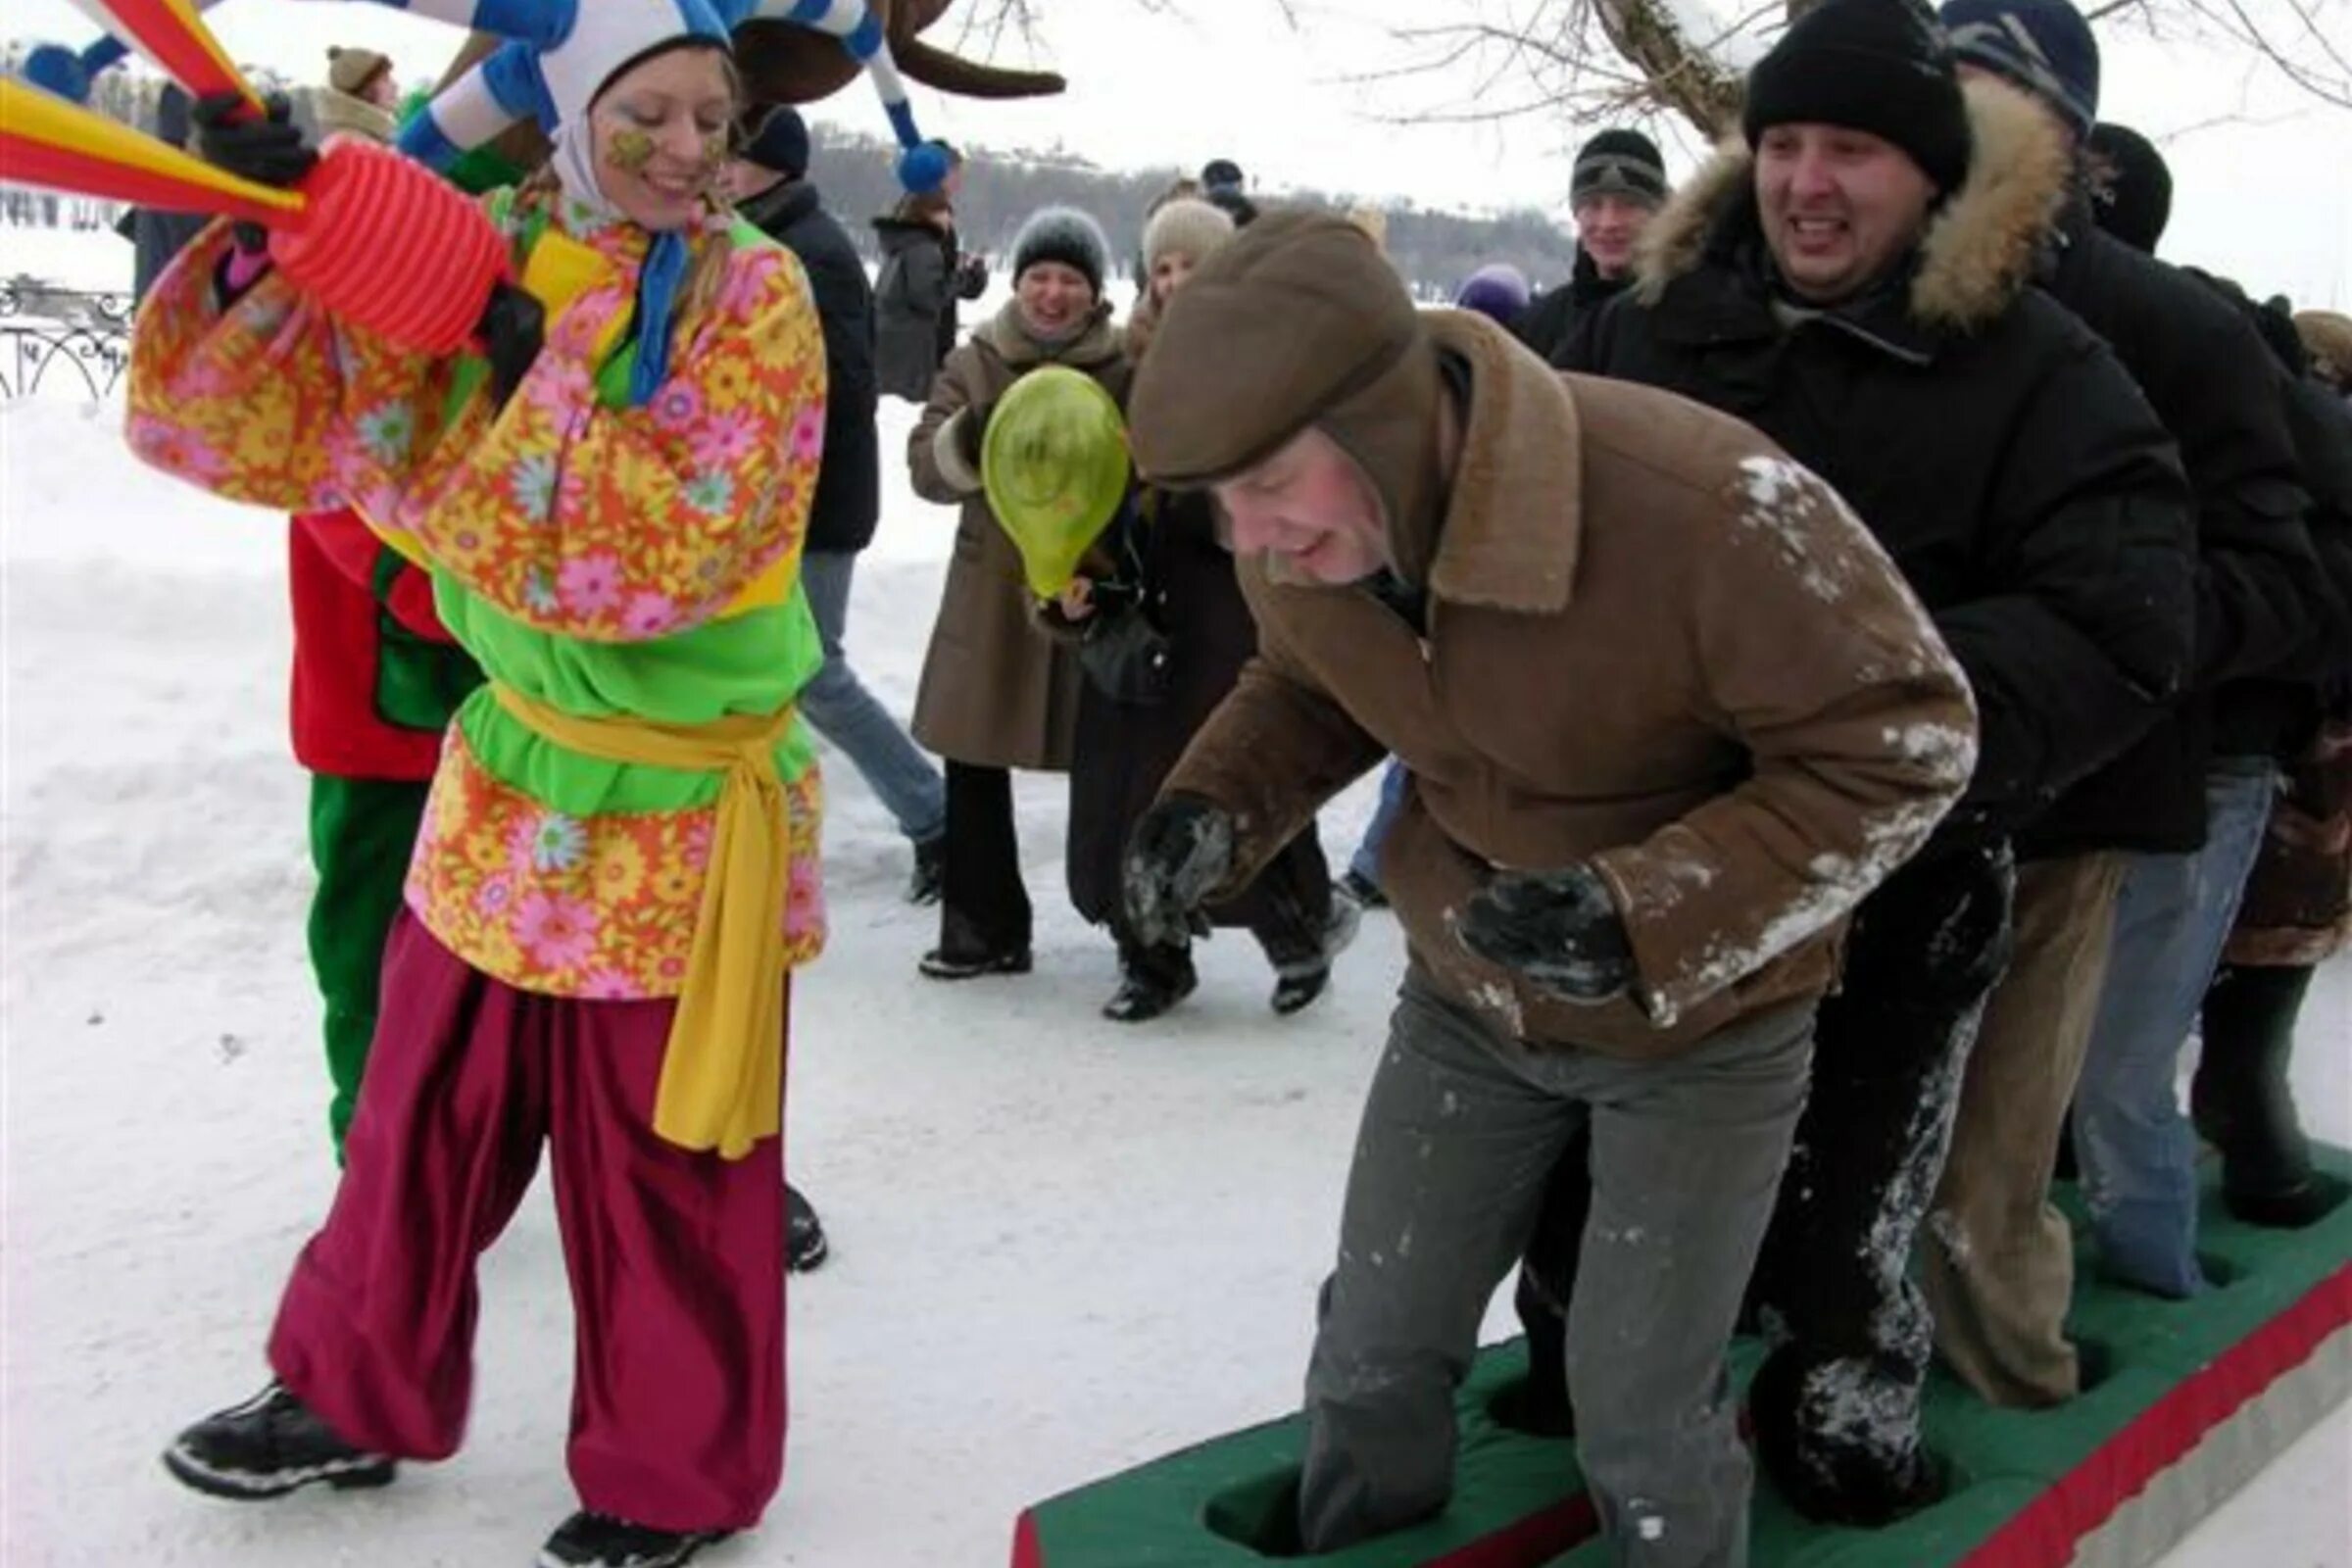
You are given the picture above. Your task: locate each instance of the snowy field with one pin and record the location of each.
(1060, 1247)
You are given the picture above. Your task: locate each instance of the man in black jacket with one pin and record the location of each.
(2134, 877)
(1616, 187)
(1855, 284)
(2126, 897)
(772, 190)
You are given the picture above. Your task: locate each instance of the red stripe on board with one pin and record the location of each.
(1026, 1554)
(1531, 1543)
(2045, 1531)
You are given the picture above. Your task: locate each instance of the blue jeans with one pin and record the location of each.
(1366, 862)
(841, 709)
(2137, 1153)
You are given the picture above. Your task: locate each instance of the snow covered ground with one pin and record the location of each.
(1060, 1247)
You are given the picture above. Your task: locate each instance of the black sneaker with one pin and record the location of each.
(1149, 990)
(1361, 890)
(268, 1447)
(805, 1245)
(599, 1540)
(941, 964)
(930, 871)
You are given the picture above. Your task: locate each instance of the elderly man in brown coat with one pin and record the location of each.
(1668, 714)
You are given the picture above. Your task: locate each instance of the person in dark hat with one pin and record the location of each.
(2131, 186)
(1538, 572)
(2126, 881)
(1857, 281)
(1223, 185)
(1618, 184)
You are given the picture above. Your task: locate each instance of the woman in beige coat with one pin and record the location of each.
(996, 694)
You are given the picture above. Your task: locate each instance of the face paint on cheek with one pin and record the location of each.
(630, 150)
(714, 152)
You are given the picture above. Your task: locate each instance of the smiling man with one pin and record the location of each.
(1616, 189)
(1668, 716)
(1855, 283)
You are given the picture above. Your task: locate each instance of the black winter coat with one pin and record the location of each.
(1550, 323)
(849, 484)
(1987, 439)
(2260, 598)
(1183, 577)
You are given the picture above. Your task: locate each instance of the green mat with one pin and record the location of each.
(2190, 1398)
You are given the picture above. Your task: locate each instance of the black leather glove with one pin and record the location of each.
(1558, 928)
(513, 327)
(268, 150)
(1181, 850)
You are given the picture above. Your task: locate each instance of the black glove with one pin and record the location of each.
(1181, 850)
(513, 327)
(268, 150)
(1558, 928)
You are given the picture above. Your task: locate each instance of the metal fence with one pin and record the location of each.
(61, 342)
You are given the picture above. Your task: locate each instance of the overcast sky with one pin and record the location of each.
(2263, 176)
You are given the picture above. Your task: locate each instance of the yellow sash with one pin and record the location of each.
(723, 1074)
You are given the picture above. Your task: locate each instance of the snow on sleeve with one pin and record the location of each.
(1858, 725)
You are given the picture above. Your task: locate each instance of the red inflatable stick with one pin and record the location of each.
(386, 244)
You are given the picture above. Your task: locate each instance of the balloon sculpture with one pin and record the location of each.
(365, 214)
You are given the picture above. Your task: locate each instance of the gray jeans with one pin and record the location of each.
(1460, 1136)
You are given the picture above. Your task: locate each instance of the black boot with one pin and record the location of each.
(268, 1447)
(805, 1245)
(1829, 1480)
(2243, 1102)
(599, 1540)
(1151, 980)
(1301, 977)
(930, 870)
(965, 954)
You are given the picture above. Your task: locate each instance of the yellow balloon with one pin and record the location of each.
(1054, 464)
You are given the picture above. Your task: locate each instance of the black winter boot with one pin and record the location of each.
(599, 1540)
(1806, 1452)
(1151, 980)
(930, 875)
(805, 1245)
(268, 1447)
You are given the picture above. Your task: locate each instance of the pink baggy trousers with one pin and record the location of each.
(676, 1258)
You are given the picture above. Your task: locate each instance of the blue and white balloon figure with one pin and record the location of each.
(557, 52)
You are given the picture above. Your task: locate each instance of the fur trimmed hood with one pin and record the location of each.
(1981, 247)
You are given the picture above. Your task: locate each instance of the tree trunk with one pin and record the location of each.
(1650, 37)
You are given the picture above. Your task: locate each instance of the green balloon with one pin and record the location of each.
(1054, 464)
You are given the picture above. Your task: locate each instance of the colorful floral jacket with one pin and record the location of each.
(607, 559)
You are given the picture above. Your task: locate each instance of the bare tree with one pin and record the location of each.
(1509, 59)
(1685, 57)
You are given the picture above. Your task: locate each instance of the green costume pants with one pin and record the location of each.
(362, 831)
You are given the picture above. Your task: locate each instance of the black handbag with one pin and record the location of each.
(1128, 659)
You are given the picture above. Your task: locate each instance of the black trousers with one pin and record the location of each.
(984, 905)
(1836, 1404)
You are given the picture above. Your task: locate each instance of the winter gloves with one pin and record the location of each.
(384, 242)
(269, 151)
(1558, 928)
(513, 327)
(972, 430)
(1180, 852)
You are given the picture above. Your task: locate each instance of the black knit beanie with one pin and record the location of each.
(1619, 163)
(1062, 234)
(1878, 66)
(2130, 188)
(779, 144)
